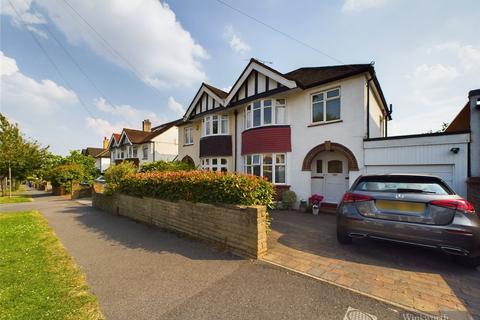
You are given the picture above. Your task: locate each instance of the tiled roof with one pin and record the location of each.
(461, 121)
(94, 152)
(220, 93)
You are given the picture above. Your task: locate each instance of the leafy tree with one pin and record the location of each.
(86, 162)
(22, 156)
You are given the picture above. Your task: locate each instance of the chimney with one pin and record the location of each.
(146, 125)
(105, 142)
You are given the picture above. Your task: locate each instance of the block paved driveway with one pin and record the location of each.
(417, 278)
(141, 272)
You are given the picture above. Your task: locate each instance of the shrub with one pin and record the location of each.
(63, 175)
(116, 173)
(288, 199)
(166, 166)
(200, 186)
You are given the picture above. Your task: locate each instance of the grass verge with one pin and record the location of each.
(38, 279)
(14, 199)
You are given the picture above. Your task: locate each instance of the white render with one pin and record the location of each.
(475, 134)
(102, 164)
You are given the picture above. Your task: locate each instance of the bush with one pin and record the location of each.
(63, 175)
(166, 166)
(116, 173)
(288, 199)
(200, 186)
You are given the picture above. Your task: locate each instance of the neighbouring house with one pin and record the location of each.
(146, 145)
(101, 155)
(311, 130)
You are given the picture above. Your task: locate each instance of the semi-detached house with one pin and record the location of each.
(311, 130)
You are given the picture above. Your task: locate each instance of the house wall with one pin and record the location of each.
(166, 145)
(102, 164)
(375, 114)
(427, 154)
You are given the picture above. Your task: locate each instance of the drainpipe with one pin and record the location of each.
(235, 143)
(368, 107)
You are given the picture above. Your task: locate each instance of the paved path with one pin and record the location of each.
(140, 272)
(417, 278)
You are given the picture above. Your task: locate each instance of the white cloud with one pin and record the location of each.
(102, 127)
(468, 55)
(20, 11)
(236, 44)
(146, 33)
(351, 6)
(433, 74)
(175, 106)
(22, 92)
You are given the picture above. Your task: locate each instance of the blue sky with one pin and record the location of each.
(146, 58)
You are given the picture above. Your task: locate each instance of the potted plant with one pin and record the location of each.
(315, 200)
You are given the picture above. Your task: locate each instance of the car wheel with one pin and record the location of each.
(343, 238)
(472, 262)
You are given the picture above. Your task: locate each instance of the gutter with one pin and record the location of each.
(368, 107)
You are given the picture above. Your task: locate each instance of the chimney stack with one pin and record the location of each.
(146, 125)
(105, 142)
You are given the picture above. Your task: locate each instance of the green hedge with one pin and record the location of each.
(115, 173)
(166, 166)
(200, 186)
(63, 175)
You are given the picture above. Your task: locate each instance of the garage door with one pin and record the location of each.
(443, 171)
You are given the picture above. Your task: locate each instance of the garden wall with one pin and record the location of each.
(240, 229)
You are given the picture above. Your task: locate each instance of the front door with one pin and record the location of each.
(330, 176)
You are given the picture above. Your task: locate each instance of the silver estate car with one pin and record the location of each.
(413, 209)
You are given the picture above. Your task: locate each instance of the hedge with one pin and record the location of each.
(63, 175)
(200, 186)
(166, 166)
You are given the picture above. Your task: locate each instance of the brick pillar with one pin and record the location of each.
(473, 189)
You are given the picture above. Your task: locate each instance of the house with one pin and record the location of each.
(146, 145)
(101, 155)
(310, 130)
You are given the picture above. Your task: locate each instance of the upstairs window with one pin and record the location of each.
(215, 125)
(264, 112)
(188, 138)
(326, 106)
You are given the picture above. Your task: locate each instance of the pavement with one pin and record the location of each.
(141, 272)
(406, 276)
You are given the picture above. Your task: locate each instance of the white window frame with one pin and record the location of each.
(134, 152)
(222, 127)
(207, 164)
(145, 152)
(248, 113)
(325, 99)
(188, 138)
(274, 164)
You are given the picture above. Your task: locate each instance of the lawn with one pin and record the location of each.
(38, 279)
(15, 199)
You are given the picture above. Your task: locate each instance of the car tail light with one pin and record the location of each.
(456, 204)
(355, 197)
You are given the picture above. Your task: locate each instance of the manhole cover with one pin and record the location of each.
(354, 314)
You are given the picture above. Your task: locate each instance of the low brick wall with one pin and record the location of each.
(473, 189)
(240, 229)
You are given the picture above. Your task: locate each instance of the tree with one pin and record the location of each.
(90, 172)
(17, 154)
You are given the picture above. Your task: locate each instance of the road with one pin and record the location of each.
(141, 272)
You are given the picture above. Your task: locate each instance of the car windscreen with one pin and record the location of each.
(403, 184)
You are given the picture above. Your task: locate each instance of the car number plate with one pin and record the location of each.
(400, 206)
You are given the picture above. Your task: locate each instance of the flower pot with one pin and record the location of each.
(315, 210)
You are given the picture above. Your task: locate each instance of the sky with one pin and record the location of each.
(74, 71)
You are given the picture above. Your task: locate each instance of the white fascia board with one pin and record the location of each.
(203, 90)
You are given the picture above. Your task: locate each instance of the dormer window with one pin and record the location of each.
(326, 106)
(215, 125)
(265, 112)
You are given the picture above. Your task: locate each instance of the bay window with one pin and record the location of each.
(269, 165)
(264, 112)
(215, 125)
(326, 106)
(214, 164)
(188, 135)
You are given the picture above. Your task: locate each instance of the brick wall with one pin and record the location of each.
(473, 189)
(240, 229)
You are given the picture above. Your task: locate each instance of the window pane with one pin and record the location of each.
(317, 97)
(333, 93)
(256, 159)
(267, 172)
(267, 103)
(279, 174)
(207, 161)
(214, 168)
(280, 159)
(319, 166)
(267, 115)
(280, 115)
(214, 125)
(335, 166)
(256, 170)
(333, 109)
(214, 161)
(224, 161)
(256, 117)
(249, 159)
(207, 126)
(267, 159)
(224, 124)
(249, 119)
(256, 105)
(223, 169)
(280, 102)
(317, 112)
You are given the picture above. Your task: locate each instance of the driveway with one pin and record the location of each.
(413, 277)
(141, 272)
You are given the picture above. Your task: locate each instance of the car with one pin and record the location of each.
(415, 209)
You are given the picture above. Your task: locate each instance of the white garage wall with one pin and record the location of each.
(421, 155)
